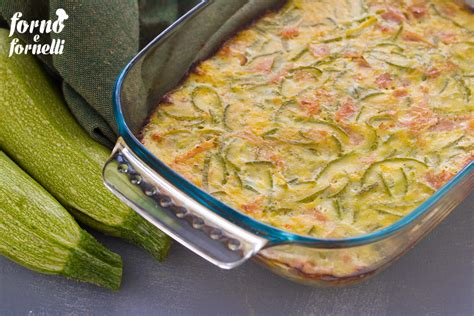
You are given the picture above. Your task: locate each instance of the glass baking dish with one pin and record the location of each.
(208, 227)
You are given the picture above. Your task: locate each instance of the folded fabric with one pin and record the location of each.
(100, 38)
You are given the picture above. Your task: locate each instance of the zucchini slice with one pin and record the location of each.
(258, 175)
(237, 151)
(206, 99)
(381, 169)
(214, 172)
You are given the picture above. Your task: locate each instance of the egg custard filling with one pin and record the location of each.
(327, 118)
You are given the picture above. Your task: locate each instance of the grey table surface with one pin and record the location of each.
(435, 278)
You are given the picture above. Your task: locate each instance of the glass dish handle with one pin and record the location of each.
(164, 205)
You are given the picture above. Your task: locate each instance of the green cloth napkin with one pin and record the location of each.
(100, 38)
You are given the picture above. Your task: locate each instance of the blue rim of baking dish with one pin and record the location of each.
(273, 234)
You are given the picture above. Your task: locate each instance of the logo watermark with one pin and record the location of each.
(56, 47)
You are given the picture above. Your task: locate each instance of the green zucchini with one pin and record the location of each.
(225, 116)
(443, 16)
(445, 85)
(341, 166)
(379, 118)
(334, 142)
(206, 99)
(359, 114)
(290, 113)
(262, 163)
(238, 151)
(312, 231)
(39, 133)
(388, 212)
(299, 54)
(38, 233)
(384, 184)
(396, 47)
(329, 127)
(205, 171)
(290, 87)
(257, 175)
(395, 162)
(394, 59)
(180, 117)
(356, 31)
(338, 186)
(400, 182)
(269, 133)
(464, 88)
(367, 188)
(214, 171)
(314, 71)
(310, 198)
(337, 206)
(397, 34)
(370, 94)
(332, 39)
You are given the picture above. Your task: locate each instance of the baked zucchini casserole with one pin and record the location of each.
(327, 118)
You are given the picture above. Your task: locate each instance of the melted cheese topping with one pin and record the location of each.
(327, 118)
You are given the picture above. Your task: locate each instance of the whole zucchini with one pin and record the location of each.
(38, 233)
(39, 133)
